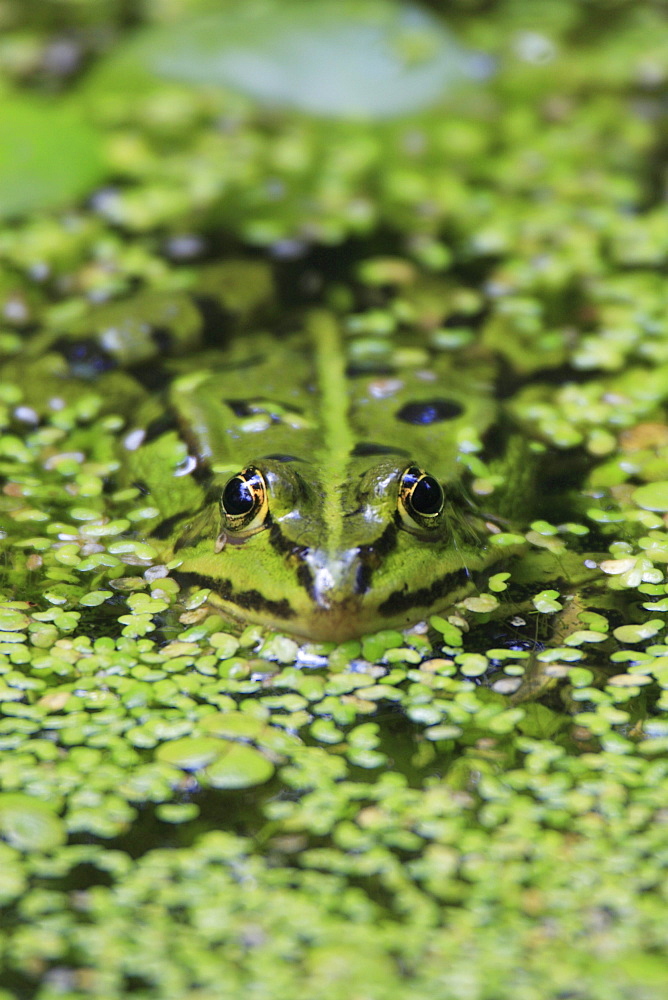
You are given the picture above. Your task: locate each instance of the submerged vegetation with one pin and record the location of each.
(472, 808)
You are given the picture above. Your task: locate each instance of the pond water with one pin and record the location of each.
(470, 807)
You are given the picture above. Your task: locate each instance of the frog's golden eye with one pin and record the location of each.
(244, 505)
(421, 499)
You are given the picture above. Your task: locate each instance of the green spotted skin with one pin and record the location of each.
(337, 547)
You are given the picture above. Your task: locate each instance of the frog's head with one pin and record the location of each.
(382, 548)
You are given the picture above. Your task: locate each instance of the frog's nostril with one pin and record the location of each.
(362, 579)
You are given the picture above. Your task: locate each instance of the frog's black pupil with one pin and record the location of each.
(427, 497)
(237, 497)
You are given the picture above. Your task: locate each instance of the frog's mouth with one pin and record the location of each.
(341, 620)
(335, 602)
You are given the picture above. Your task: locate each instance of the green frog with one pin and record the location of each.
(337, 497)
(326, 482)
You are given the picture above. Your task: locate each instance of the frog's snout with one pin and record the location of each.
(336, 579)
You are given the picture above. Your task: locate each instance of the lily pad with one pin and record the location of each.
(49, 155)
(366, 58)
(241, 767)
(29, 824)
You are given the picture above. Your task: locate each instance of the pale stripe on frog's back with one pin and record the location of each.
(338, 440)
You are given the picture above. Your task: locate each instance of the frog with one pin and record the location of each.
(311, 477)
(337, 493)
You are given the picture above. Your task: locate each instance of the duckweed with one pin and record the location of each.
(471, 809)
(29, 824)
(653, 496)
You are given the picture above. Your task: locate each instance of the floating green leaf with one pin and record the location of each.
(49, 155)
(233, 724)
(240, 767)
(638, 633)
(366, 58)
(190, 753)
(12, 620)
(652, 496)
(12, 875)
(29, 824)
(177, 812)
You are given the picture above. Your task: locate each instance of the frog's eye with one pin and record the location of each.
(244, 504)
(421, 499)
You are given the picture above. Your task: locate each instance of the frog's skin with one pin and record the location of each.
(337, 505)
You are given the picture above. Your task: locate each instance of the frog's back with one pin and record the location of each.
(304, 396)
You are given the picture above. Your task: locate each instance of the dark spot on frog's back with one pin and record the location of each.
(429, 411)
(372, 368)
(240, 407)
(250, 407)
(366, 449)
(243, 363)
